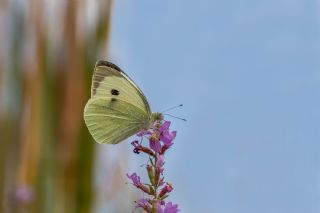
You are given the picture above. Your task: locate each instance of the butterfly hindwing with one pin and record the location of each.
(113, 120)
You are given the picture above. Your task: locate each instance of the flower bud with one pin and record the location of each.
(166, 189)
(144, 189)
(146, 150)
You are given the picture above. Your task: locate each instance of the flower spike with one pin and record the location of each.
(160, 140)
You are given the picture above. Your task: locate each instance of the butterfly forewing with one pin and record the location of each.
(110, 81)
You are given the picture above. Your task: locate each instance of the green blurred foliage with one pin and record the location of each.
(47, 53)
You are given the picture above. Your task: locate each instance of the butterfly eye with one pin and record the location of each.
(114, 92)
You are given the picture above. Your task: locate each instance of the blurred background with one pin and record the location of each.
(246, 71)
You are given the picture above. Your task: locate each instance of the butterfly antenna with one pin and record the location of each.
(183, 119)
(171, 108)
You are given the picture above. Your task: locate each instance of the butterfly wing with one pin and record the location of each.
(110, 81)
(117, 108)
(111, 121)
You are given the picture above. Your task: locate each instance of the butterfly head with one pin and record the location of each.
(156, 116)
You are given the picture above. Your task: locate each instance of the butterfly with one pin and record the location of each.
(117, 108)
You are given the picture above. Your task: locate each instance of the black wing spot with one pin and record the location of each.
(114, 92)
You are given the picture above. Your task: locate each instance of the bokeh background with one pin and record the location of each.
(246, 71)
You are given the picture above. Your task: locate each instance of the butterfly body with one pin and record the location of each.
(117, 108)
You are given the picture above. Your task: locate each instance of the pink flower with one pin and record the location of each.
(165, 135)
(165, 126)
(136, 182)
(168, 208)
(160, 139)
(161, 135)
(155, 145)
(135, 179)
(143, 203)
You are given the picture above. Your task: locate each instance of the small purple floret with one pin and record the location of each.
(165, 126)
(168, 208)
(142, 203)
(155, 145)
(135, 179)
(167, 137)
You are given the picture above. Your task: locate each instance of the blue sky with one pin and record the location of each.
(248, 75)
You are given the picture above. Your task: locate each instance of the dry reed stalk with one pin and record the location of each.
(32, 70)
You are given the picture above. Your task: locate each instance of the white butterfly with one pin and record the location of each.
(117, 108)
